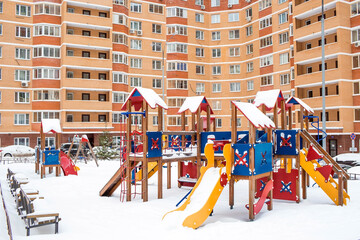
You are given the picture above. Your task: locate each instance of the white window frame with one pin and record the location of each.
(21, 119)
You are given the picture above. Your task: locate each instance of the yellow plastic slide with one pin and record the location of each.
(152, 169)
(204, 195)
(330, 187)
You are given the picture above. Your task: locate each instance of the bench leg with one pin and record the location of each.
(27, 231)
(56, 226)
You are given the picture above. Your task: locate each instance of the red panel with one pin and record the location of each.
(285, 185)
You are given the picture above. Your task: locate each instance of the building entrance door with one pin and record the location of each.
(333, 147)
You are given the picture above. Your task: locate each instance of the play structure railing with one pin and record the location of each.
(179, 142)
(327, 158)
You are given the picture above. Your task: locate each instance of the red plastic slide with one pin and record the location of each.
(67, 165)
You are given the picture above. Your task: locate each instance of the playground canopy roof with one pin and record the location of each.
(268, 98)
(50, 126)
(193, 104)
(254, 115)
(139, 94)
(296, 101)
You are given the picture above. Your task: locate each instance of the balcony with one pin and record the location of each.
(314, 28)
(86, 125)
(87, 105)
(87, 40)
(87, 62)
(87, 19)
(315, 52)
(315, 77)
(302, 6)
(86, 83)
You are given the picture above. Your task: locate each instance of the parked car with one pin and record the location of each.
(66, 146)
(17, 151)
(351, 159)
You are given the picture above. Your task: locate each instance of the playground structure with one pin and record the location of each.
(270, 156)
(82, 142)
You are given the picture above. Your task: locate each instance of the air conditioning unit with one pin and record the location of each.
(249, 18)
(202, 7)
(357, 44)
(24, 84)
(248, 1)
(139, 32)
(132, 31)
(229, 5)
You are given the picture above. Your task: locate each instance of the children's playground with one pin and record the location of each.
(269, 181)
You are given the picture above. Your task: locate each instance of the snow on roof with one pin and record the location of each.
(151, 97)
(295, 101)
(254, 115)
(51, 126)
(268, 98)
(193, 104)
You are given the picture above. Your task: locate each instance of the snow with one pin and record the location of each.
(254, 115)
(193, 104)
(86, 215)
(51, 125)
(299, 101)
(150, 96)
(354, 170)
(3, 224)
(268, 98)
(348, 157)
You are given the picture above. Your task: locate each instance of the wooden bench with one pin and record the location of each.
(16, 181)
(32, 193)
(38, 213)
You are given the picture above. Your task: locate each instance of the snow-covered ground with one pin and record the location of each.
(85, 215)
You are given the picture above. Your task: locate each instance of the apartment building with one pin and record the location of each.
(78, 60)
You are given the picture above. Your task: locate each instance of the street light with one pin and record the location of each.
(323, 73)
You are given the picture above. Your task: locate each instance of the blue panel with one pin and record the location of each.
(286, 142)
(242, 137)
(51, 157)
(262, 139)
(241, 159)
(259, 133)
(263, 158)
(218, 136)
(136, 94)
(154, 144)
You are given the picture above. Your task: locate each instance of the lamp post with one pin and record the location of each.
(323, 73)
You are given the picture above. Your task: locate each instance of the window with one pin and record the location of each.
(23, 10)
(102, 55)
(120, 38)
(135, 44)
(136, 63)
(156, 65)
(249, 49)
(266, 61)
(87, 12)
(70, 53)
(155, 120)
(250, 85)
(135, 25)
(102, 76)
(120, 58)
(22, 97)
(0, 79)
(103, 14)
(22, 75)
(48, 52)
(233, 2)
(85, 54)
(281, 1)
(235, 69)
(238, 122)
(265, 22)
(216, 87)
(216, 70)
(199, 17)
(284, 58)
(21, 119)
(85, 96)
(176, 121)
(156, 28)
(215, 36)
(176, 102)
(47, 73)
(200, 69)
(266, 41)
(154, 8)
(135, 82)
(199, 52)
(120, 77)
(1, 29)
(234, 34)
(85, 75)
(285, 79)
(200, 87)
(177, 30)
(176, 12)
(135, 7)
(118, 118)
(248, 12)
(234, 52)
(215, 18)
(119, 97)
(49, 141)
(309, 70)
(216, 52)
(156, 83)
(38, 116)
(218, 122)
(356, 61)
(120, 2)
(69, 96)
(156, 46)
(235, 87)
(22, 141)
(85, 118)
(292, 73)
(22, 32)
(70, 31)
(264, 4)
(177, 48)
(199, 35)
(215, 3)
(199, 2)
(266, 80)
(250, 67)
(70, 10)
(309, 93)
(177, 84)
(1, 10)
(249, 30)
(283, 17)
(233, 17)
(355, 9)
(177, 66)
(22, 53)
(355, 35)
(216, 105)
(102, 35)
(283, 37)
(47, 30)
(102, 118)
(136, 120)
(120, 19)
